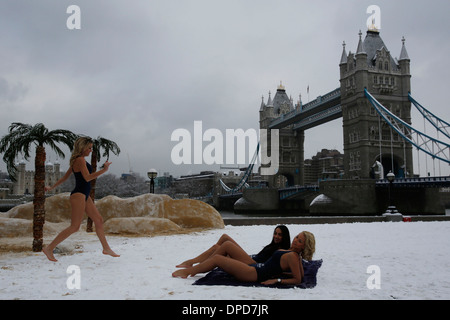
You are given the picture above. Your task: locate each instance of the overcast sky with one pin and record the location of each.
(137, 70)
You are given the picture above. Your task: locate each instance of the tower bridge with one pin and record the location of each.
(374, 101)
(365, 139)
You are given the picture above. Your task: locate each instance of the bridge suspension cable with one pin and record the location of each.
(243, 182)
(441, 125)
(435, 148)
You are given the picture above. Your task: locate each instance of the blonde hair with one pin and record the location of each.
(79, 147)
(310, 246)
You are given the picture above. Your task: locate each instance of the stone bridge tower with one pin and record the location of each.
(366, 138)
(291, 153)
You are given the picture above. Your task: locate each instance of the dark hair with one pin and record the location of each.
(268, 250)
(285, 241)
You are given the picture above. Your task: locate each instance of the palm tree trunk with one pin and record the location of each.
(39, 199)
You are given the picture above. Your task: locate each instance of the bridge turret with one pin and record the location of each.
(373, 67)
(291, 141)
(266, 114)
(361, 55)
(404, 64)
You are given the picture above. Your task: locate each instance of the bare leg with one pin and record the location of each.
(238, 269)
(208, 253)
(235, 252)
(78, 206)
(228, 250)
(93, 213)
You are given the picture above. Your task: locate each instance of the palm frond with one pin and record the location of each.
(107, 146)
(22, 137)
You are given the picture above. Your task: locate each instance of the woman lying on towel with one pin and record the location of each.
(235, 261)
(281, 240)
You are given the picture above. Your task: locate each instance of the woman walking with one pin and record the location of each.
(79, 198)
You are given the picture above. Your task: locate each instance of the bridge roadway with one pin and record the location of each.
(321, 110)
(413, 197)
(426, 182)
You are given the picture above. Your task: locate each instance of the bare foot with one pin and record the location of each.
(49, 254)
(186, 264)
(181, 274)
(111, 253)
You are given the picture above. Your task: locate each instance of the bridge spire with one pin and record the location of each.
(269, 102)
(360, 45)
(403, 53)
(344, 54)
(262, 103)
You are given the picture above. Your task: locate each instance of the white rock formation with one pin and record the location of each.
(147, 214)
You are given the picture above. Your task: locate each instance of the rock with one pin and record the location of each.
(140, 226)
(146, 214)
(10, 227)
(14, 227)
(146, 205)
(57, 209)
(190, 213)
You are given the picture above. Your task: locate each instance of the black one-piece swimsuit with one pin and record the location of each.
(81, 185)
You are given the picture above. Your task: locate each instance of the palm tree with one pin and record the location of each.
(107, 146)
(20, 139)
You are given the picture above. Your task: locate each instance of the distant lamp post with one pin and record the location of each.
(391, 212)
(152, 175)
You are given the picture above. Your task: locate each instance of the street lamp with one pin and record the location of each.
(391, 212)
(152, 175)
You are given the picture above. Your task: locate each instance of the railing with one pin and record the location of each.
(319, 116)
(290, 191)
(414, 182)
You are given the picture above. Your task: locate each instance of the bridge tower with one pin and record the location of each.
(366, 138)
(291, 153)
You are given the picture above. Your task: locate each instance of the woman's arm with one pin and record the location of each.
(60, 181)
(294, 267)
(80, 166)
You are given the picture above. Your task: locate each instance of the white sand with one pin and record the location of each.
(413, 259)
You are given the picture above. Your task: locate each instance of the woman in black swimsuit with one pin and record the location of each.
(233, 260)
(79, 198)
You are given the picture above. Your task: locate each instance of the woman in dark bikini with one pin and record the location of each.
(79, 198)
(233, 260)
(281, 240)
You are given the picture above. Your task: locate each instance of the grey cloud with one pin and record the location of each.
(137, 70)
